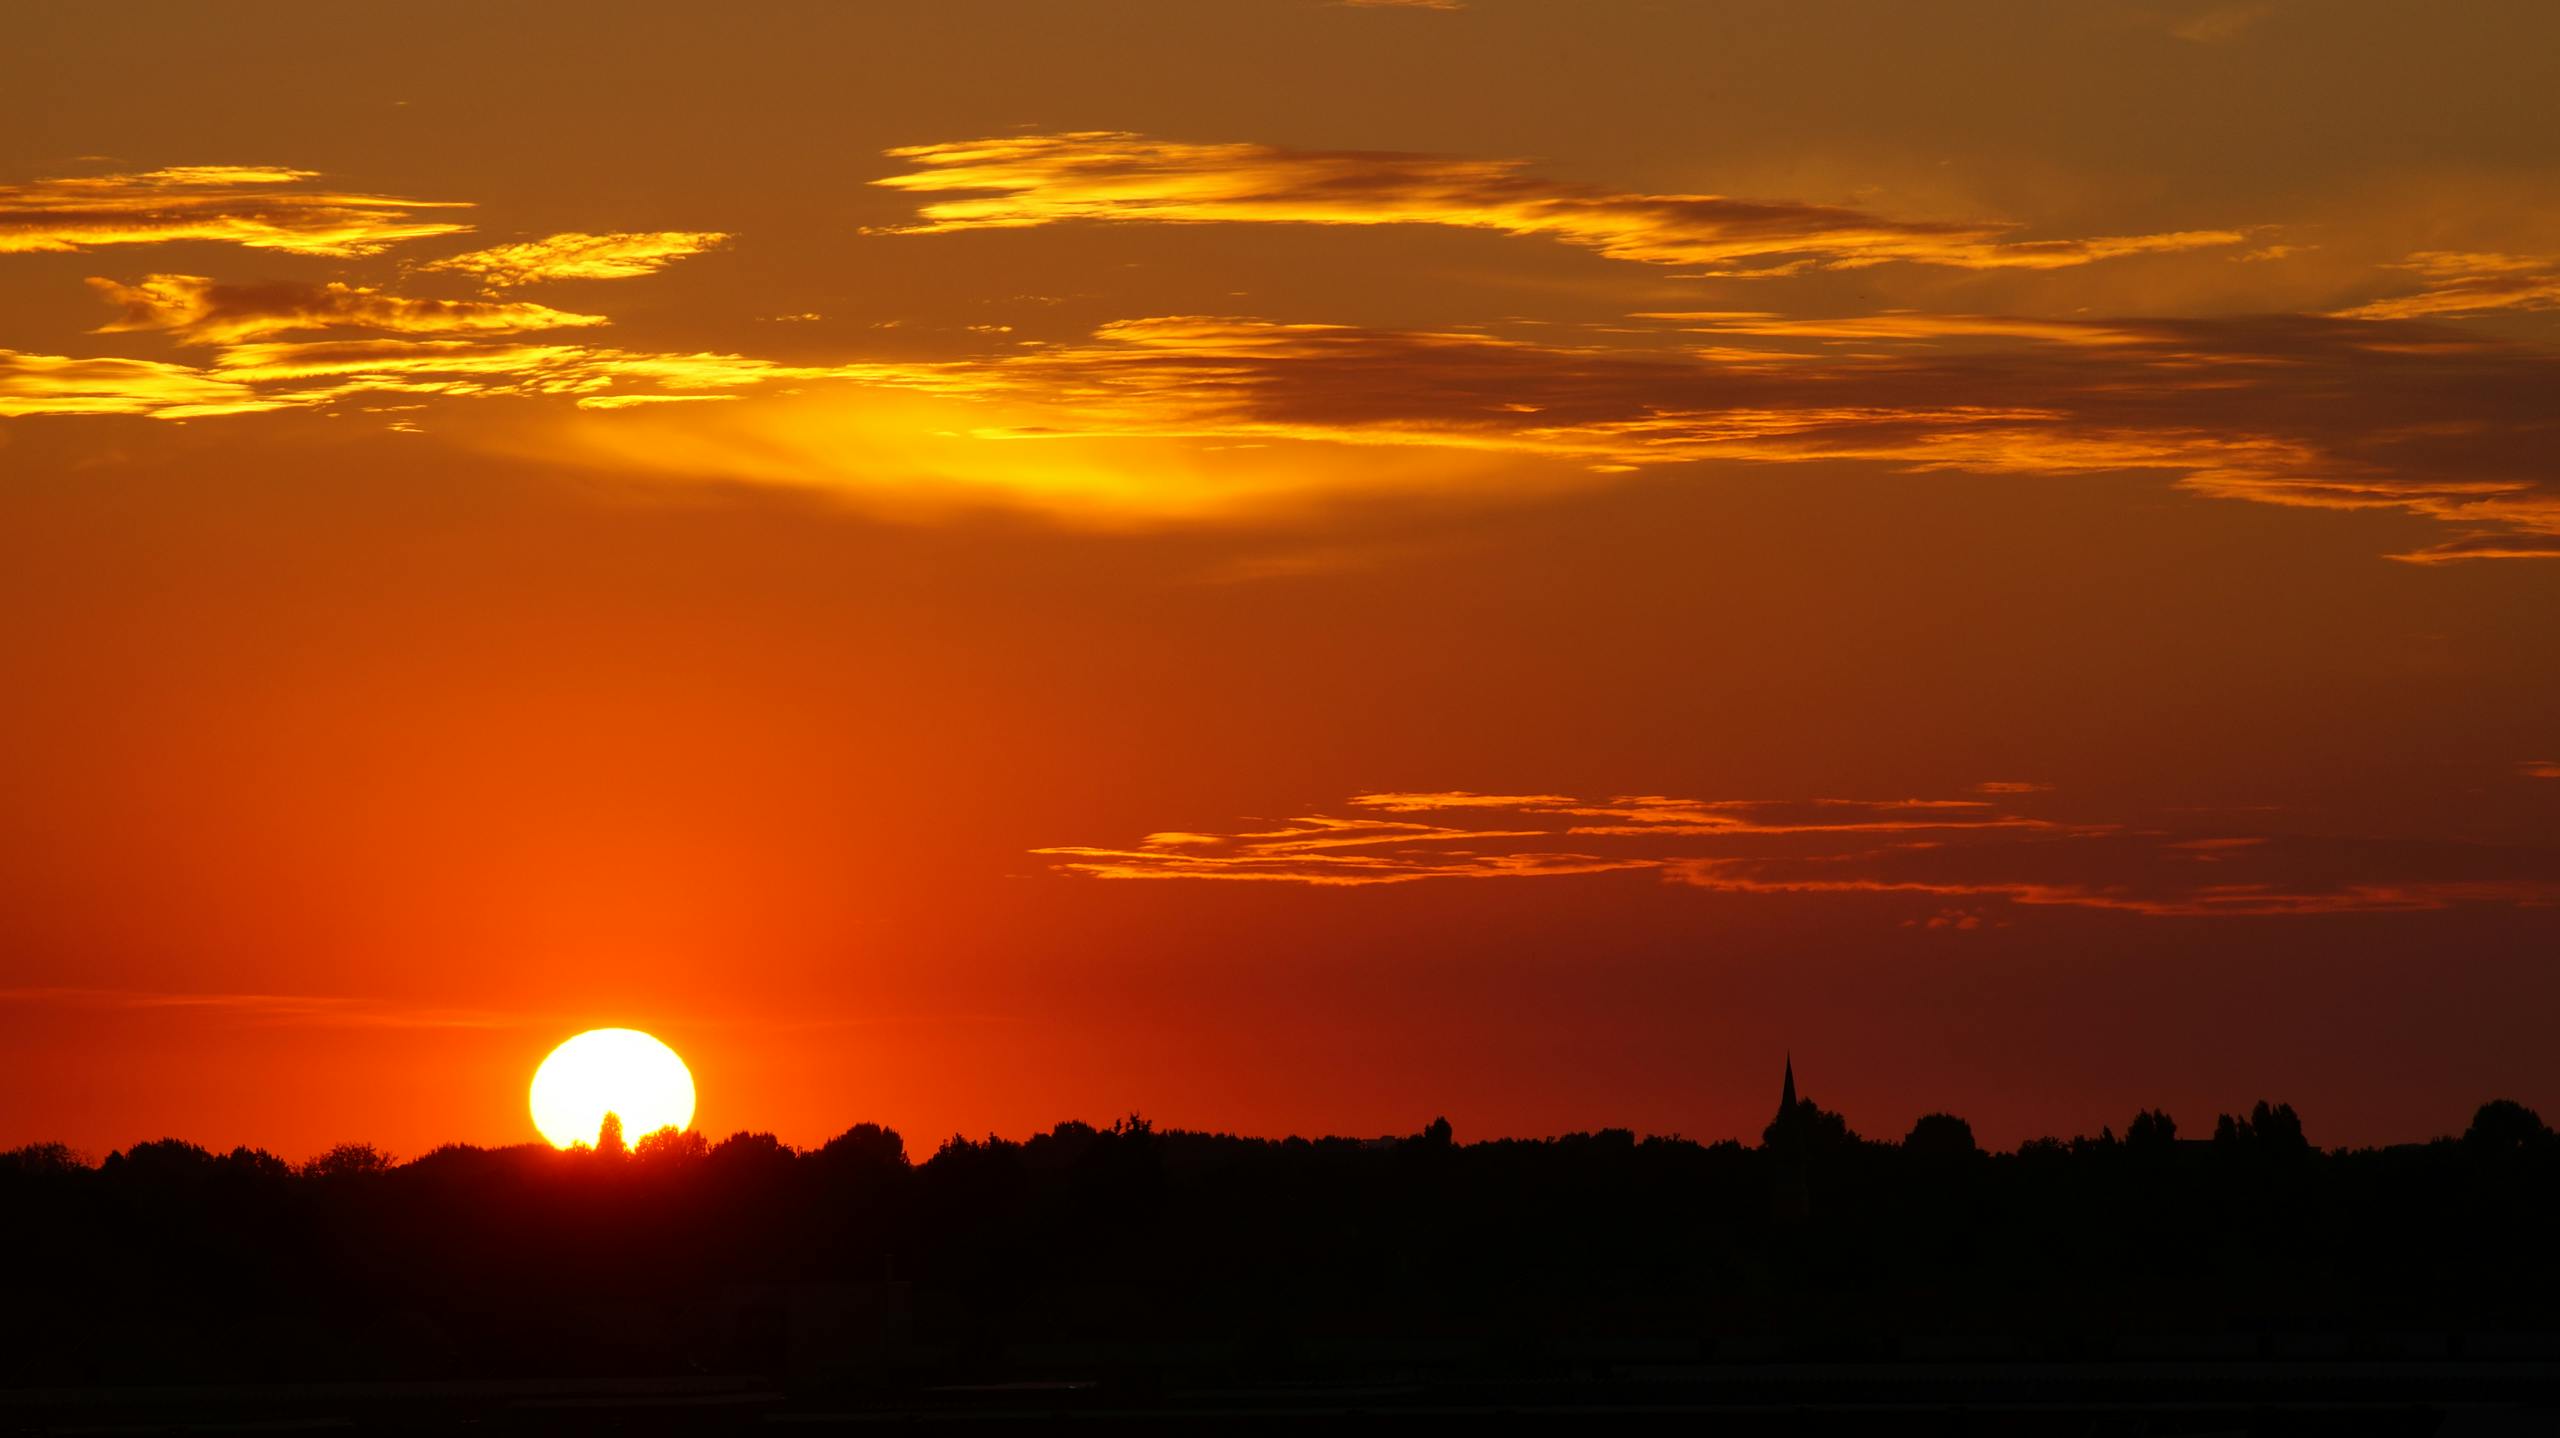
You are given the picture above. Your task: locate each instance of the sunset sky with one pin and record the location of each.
(1290, 566)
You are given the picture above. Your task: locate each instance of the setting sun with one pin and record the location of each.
(618, 1071)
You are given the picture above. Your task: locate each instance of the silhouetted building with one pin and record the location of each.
(1790, 1191)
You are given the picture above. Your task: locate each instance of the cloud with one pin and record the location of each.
(2301, 411)
(576, 256)
(2220, 25)
(2291, 410)
(2462, 282)
(247, 378)
(2485, 546)
(595, 376)
(1929, 850)
(1025, 180)
(1895, 326)
(261, 207)
(196, 310)
(1442, 800)
(59, 384)
(314, 1010)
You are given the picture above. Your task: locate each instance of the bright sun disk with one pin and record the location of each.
(617, 1071)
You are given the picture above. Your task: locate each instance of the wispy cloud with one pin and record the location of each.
(280, 375)
(2299, 411)
(575, 256)
(1934, 850)
(2485, 546)
(2289, 410)
(2462, 282)
(261, 207)
(2220, 24)
(1897, 327)
(196, 310)
(1024, 180)
(311, 1010)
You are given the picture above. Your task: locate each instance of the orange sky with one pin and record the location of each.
(1290, 566)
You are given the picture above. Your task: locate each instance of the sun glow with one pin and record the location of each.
(618, 1071)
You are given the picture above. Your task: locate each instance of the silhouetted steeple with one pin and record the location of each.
(1790, 1199)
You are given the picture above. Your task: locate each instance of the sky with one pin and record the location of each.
(1290, 567)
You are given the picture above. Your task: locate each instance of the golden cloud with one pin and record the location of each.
(2461, 282)
(196, 310)
(58, 384)
(278, 375)
(261, 207)
(1025, 180)
(1972, 849)
(576, 256)
(2292, 410)
(1163, 417)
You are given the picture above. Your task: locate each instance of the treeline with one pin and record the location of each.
(166, 1261)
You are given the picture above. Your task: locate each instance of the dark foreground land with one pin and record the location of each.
(1127, 1276)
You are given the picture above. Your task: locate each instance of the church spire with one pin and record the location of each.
(1787, 1095)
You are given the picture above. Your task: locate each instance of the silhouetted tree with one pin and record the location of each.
(2270, 1130)
(755, 1158)
(2151, 1132)
(609, 1142)
(348, 1160)
(2503, 1126)
(1940, 1135)
(1807, 1128)
(44, 1158)
(258, 1163)
(2279, 1129)
(865, 1145)
(169, 1263)
(2047, 1149)
(159, 1159)
(671, 1145)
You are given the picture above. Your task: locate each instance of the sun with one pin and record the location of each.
(618, 1071)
